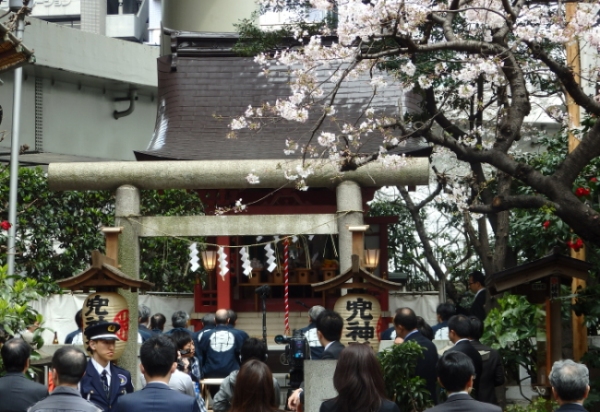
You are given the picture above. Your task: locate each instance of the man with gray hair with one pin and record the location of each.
(179, 320)
(143, 319)
(310, 332)
(570, 383)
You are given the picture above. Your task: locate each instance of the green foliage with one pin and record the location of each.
(592, 360)
(253, 40)
(165, 260)
(57, 231)
(16, 314)
(537, 405)
(407, 390)
(511, 328)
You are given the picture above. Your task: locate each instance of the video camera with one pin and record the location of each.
(296, 351)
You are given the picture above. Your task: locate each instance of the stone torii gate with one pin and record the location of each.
(128, 178)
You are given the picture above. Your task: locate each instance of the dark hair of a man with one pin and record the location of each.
(179, 319)
(253, 348)
(15, 353)
(461, 325)
(358, 379)
(424, 328)
(454, 369)
(181, 338)
(208, 320)
(157, 321)
(69, 363)
(446, 311)
(79, 319)
(232, 316)
(330, 324)
(477, 276)
(157, 355)
(476, 327)
(253, 391)
(406, 318)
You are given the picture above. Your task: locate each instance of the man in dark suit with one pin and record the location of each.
(477, 286)
(79, 322)
(405, 323)
(329, 331)
(459, 330)
(492, 373)
(103, 382)
(570, 383)
(143, 319)
(158, 356)
(16, 391)
(444, 312)
(455, 373)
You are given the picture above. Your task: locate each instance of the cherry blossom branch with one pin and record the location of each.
(502, 203)
(567, 78)
(420, 227)
(588, 148)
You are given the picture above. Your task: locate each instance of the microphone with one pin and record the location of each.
(302, 304)
(263, 290)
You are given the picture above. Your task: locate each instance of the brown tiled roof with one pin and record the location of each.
(198, 100)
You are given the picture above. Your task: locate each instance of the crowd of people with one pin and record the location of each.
(175, 362)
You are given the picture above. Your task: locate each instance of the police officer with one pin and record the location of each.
(104, 382)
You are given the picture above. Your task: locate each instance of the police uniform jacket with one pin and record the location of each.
(91, 386)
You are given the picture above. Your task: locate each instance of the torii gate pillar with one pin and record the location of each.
(350, 213)
(127, 204)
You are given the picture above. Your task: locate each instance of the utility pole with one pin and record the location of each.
(580, 343)
(14, 146)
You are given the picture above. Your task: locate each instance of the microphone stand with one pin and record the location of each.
(263, 292)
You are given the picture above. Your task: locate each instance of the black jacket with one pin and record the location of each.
(18, 393)
(492, 374)
(464, 403)
(333, 351)
(426, 366)
(465, 347)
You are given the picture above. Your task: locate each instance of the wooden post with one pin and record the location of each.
(580, 345)
(112, 242)
(224, 283)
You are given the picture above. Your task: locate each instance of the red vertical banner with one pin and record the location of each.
(286, 279)
(224, 282)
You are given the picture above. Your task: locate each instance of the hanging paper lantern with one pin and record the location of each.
(108, 307)
(361, 313)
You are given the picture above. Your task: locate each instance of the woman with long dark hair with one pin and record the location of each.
(358, 379)
(253, 391)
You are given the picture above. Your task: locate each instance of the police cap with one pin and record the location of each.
(102, 330)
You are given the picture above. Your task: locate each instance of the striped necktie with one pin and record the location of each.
(104, 380)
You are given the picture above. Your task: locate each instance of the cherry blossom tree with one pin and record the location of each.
(480, 70)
